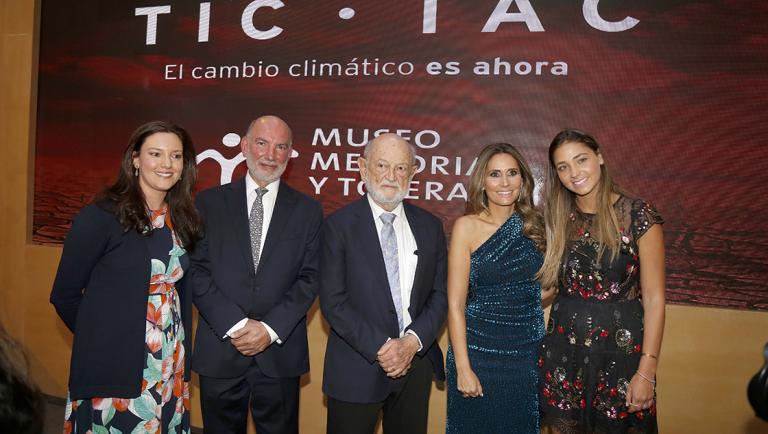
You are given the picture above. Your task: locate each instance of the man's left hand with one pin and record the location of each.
(395, 355)
(252, 339)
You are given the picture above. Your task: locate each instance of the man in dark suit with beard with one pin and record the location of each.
(383, 292)
(253, 278)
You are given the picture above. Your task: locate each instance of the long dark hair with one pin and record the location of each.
(125, 198)
(561, 203)
(533, 224)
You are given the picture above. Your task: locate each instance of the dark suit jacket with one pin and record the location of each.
(227, 289)
(100, 292)
(356, 301)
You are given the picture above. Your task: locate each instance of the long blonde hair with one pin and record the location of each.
(560, 203)
(533, 224)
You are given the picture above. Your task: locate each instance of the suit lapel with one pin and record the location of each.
(420, 235)
(284, 202)
(238, 209)
(370, 247)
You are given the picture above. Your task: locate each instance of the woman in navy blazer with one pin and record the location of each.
(118, 289)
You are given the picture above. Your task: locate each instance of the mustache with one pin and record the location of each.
(267, 162)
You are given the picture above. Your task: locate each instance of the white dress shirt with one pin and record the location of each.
(268, 200)
(407, 255)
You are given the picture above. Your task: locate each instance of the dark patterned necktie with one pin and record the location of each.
(255, 222)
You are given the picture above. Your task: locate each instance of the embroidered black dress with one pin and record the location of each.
(594, 335)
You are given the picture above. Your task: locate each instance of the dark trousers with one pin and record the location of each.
(405, 409)
(274, 403)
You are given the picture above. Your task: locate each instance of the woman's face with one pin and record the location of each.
(578, 168)
(160, 162)
(503, 181)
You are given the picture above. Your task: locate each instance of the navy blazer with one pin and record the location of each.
(100, 292)
(356, 301)
(227, 289)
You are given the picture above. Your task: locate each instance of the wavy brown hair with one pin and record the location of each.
(126, 201)
(560, 203)
(533, 224)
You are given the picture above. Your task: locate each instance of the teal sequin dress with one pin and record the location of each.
(505, 325)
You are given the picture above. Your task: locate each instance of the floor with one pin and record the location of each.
(54, 415)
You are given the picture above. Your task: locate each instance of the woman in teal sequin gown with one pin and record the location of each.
(495, 319)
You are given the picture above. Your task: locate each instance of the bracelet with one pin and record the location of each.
(649, 355)
(646, 378)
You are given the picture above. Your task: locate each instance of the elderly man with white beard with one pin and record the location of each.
(383, 292)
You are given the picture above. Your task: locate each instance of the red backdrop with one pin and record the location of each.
(678, 98)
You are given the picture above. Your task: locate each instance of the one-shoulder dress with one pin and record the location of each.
(505, 325)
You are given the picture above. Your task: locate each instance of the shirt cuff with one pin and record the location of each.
(240, 324)
(272, 335)
(411, 332)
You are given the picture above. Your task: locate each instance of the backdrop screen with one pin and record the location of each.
(675, 91)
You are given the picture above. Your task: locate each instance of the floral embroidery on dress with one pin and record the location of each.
(594, 334)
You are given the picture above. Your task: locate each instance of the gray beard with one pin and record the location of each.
(268, 179)
(378, 197)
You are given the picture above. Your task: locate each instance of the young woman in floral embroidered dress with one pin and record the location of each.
(605, 257)
(118, 290)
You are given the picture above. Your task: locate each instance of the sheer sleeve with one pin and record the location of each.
(644, 215)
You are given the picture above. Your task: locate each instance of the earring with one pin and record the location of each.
(136, 171)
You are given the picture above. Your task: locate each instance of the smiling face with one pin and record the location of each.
(579, 168)
(387, 170)
(267, 149)
(503, 180)
(160, 162)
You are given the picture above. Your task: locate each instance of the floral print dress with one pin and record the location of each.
(163, 406)
(594, 336)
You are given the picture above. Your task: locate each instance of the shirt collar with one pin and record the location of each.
(251, 185)
(378, 211)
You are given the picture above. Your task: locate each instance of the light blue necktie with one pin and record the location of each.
(389, 249)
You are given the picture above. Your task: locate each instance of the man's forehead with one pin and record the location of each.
(391, 160)
(274, 131)
(391, 149)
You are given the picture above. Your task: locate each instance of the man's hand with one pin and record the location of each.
(395, 355)
(252, 339)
